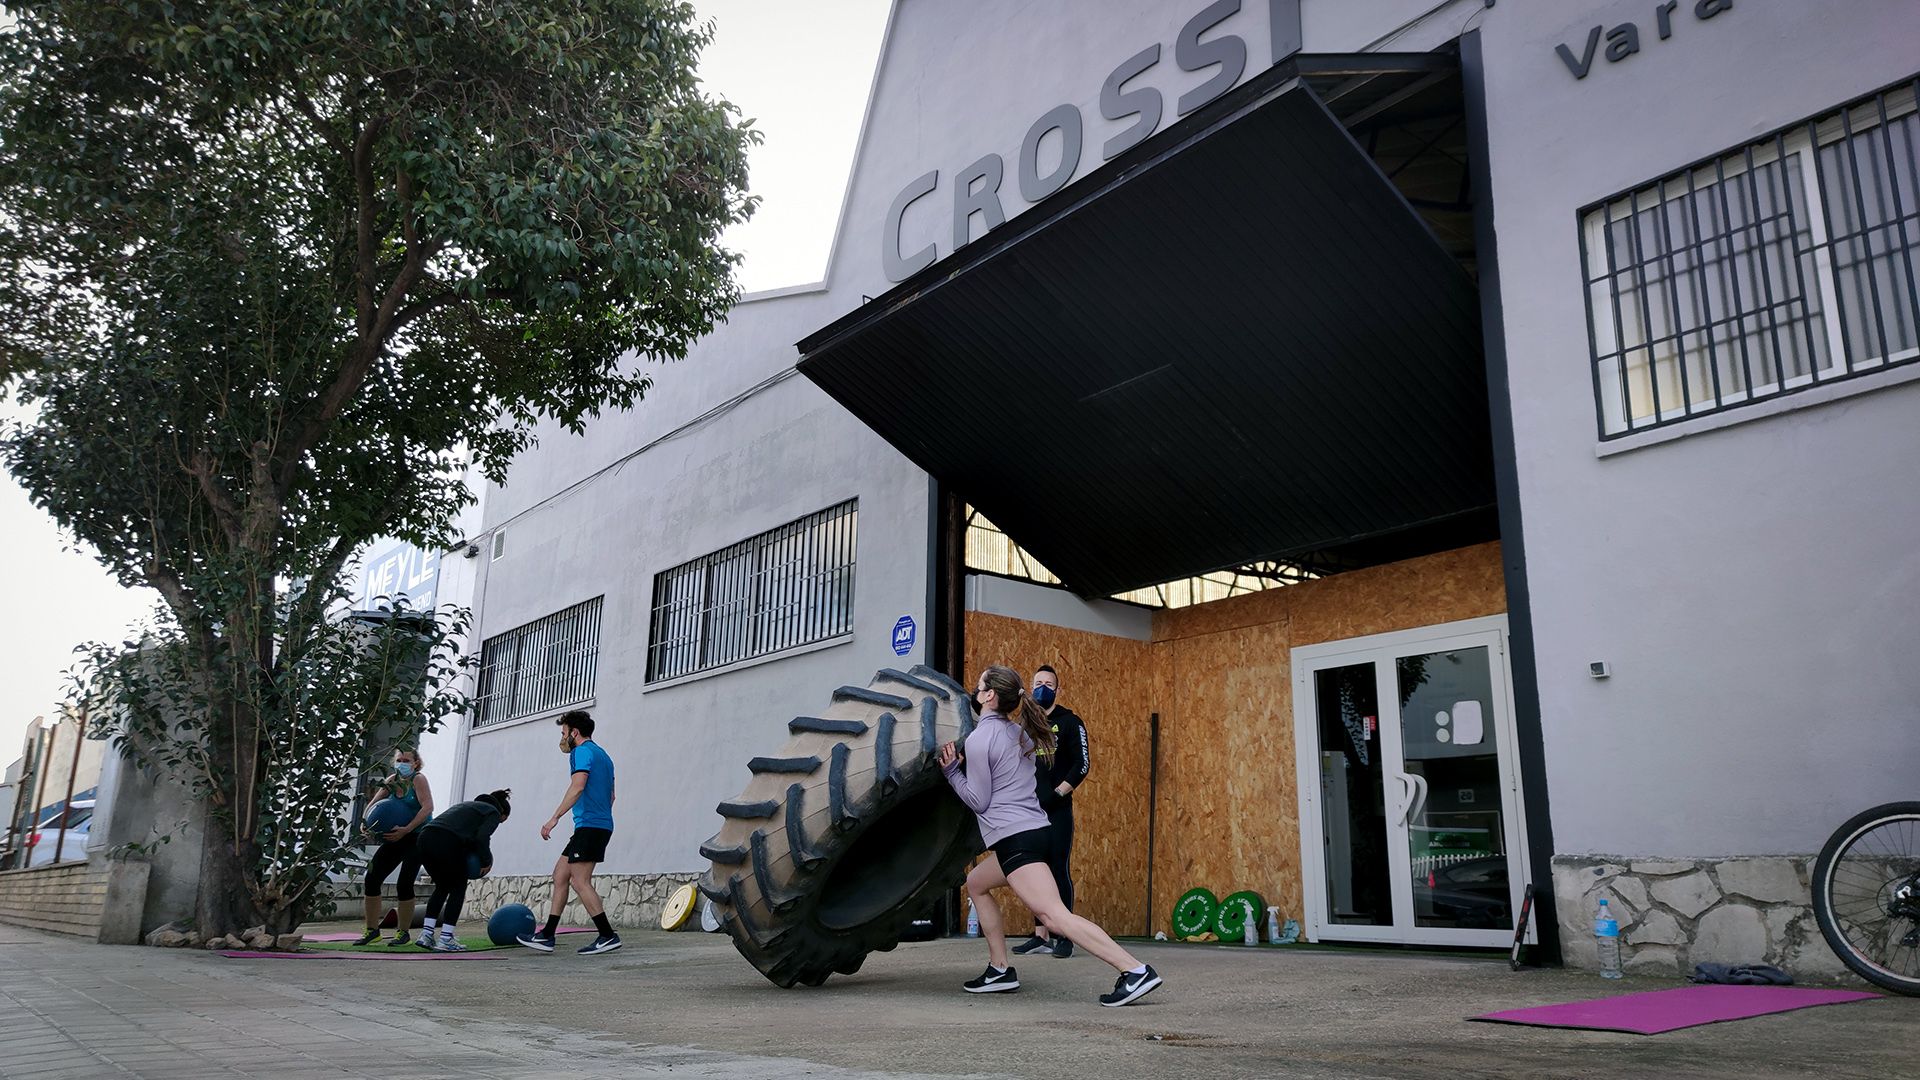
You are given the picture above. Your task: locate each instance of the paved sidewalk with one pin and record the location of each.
(685, 1005)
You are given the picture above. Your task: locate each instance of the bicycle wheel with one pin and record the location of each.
(1866, 895)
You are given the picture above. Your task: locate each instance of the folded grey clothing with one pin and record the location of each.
(1741, 974)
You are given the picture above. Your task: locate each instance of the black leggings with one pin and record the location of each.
(403, 853)
(445, 857)
(1060, 852)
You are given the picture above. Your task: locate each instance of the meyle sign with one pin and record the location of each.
(1624, 40)
(976, 188)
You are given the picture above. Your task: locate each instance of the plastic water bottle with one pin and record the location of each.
(1606, 942)
(973, 922)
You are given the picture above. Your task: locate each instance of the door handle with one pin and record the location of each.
(1418, 803)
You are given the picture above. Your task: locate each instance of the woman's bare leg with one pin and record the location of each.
(1033, 884)
(981, 881)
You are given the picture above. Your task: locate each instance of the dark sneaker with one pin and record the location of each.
(537, 942)
(399, 939)
(1129, 988)
(993, 982)
(603, 943)
(1062, 948)
(372, 935)
(1032, 945)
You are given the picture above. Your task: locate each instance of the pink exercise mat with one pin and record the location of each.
(1657, 1011)
(248, 954)
(354, 935)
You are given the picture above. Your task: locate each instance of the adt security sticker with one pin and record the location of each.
(903, 633)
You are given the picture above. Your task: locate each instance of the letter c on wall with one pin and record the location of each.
(1033, 186)
(901, 267)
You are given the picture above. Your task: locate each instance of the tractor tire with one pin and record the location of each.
(849, 834)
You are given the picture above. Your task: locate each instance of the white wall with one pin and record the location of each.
(781, 454)
(1753, 588)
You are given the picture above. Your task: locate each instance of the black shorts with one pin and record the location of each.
(588, 845)
(1021, 849)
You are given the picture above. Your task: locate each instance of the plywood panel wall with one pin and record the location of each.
(1108, 681)
(1219, 675)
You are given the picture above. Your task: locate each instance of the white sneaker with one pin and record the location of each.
(447, 944)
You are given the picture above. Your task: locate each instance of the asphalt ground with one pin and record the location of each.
(686, 1005)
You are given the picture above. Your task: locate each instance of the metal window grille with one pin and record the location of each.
(544, 666)
(784, 588)
(1788, 263)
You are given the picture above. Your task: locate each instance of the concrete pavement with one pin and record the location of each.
(685, 1005)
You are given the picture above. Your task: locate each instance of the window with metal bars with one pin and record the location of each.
(787, 587)
(544, 666)
(1788, 263)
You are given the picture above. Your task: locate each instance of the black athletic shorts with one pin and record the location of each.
(1020, 849)
(588, 845)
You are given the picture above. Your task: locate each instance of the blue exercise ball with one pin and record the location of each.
(387, 815)
(509, 923)
(475, 868)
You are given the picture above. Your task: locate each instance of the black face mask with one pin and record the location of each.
(975, 702)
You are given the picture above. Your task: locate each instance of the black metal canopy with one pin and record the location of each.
(1237, 341)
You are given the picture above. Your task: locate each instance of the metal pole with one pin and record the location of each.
(73, 771)
(33, 812)
(1153, 801)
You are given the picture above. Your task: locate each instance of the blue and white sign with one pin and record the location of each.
(903, 632)
(401, 570)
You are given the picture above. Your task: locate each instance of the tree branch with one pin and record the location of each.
(224, 512)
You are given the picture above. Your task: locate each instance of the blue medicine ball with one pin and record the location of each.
(387, 815)
(475, 868)
(509, 923)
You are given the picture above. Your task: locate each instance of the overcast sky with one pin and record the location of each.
(801, 71)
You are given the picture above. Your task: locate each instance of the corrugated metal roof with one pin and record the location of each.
(1236, 342)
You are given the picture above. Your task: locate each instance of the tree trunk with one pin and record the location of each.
(226, 903)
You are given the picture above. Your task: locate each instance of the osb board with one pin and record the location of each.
(1228, 815)
(1220, 677)
(1108, 682)
(1462, 584)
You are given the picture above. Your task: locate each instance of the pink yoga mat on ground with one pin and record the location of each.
(1657, 1011)
(244, 954)
(354, 935)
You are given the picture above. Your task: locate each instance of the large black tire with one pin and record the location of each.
(848, 834)
(1836, 925)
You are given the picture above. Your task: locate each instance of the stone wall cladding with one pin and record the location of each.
(632, 900)
(1675, 913)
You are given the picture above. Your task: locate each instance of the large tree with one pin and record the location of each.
(271, 273)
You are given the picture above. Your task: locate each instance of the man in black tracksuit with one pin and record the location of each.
(1056, 776)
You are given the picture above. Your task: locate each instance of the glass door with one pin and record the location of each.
(1408, 790)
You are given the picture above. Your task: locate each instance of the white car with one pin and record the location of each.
(46, 837)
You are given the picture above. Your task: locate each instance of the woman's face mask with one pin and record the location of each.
(402, 769)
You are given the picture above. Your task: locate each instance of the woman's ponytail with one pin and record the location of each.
(1011, 699)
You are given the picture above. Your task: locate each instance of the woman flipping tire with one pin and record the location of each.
(994, 777)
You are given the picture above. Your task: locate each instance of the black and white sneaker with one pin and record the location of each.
(603, 943)
(992, 981)
(1032, 945)
(1131, 987)
(538, 942)
(1062, 948)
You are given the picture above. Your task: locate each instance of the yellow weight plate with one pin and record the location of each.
(679, 908)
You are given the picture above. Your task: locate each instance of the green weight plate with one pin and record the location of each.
(1230, 919)
(1193, 914)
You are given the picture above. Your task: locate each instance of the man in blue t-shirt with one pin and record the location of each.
(590, 797)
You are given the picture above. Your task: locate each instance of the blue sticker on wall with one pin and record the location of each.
(903, 633)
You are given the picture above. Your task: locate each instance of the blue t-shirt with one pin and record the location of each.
(594, 808)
